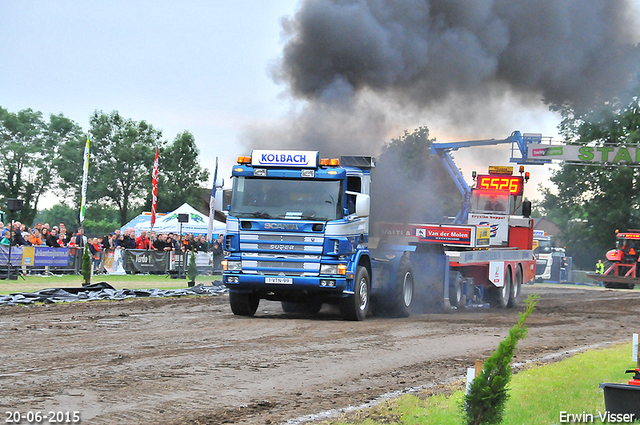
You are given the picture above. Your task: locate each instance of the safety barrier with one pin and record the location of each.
(44, 260)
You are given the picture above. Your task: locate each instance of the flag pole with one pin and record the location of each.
(154, 195)
(212, 204)
(85, 177)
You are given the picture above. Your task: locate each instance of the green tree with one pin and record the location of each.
(192, 270)
(29, 145)
(122, 154)
(59, 213)
(180, 175)
(591, 202)
(409, 181)
(100, 220)
(68, 171)
(489, 392)
(86, 267)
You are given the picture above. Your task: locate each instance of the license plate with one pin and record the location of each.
(279, 280)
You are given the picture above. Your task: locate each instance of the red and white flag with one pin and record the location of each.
(154, 191)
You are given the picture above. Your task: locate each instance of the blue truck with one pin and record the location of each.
(301, 230)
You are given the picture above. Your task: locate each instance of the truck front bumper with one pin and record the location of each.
(262, 283)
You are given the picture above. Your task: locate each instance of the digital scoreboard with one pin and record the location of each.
(514, 184)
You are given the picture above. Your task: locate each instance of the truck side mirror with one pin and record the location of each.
(363, 205)
(526, 208)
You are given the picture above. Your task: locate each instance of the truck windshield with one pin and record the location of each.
(286, 199)
(544, 246)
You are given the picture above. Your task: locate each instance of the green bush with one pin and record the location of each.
(86, 267)
(488, 394)
(192, 270)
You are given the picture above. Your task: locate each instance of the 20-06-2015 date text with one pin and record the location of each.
(38, 417)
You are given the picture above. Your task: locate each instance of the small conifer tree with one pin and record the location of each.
(489, 392)
(86, 267)
(192, 270)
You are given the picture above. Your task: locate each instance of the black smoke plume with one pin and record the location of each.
(421, 51)
(364, 71)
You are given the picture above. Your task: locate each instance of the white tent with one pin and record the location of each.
(198, 223)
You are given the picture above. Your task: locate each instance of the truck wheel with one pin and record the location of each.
(307, 307)
(516, 288)
(457, 297)
(243, 304)
(505, 291)
(403, 290)
(356, 306)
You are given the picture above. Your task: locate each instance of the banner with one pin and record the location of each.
(611, 155)
(141, 260)
(154, 190)
(85, 176)
(37, 256)
(16, 255)
(113, 261)
(49, 256)
(108, 260)
(498, 225)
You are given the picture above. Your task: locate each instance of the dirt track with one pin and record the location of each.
(190, 360)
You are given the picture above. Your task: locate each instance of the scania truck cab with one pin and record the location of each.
(296, 232)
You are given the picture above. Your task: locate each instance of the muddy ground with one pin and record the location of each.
(190, 360)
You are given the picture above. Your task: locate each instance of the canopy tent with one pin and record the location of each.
(198, 223)
(142, 222)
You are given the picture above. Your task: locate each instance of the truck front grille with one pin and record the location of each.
(275, 253)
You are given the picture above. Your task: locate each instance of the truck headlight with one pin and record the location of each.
(231, 266)
(333, 269)
(328, 269)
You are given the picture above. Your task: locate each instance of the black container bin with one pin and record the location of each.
(622, 398)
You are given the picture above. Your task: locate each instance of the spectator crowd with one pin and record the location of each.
(42, 234)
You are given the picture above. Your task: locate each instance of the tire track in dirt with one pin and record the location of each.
(190, 360)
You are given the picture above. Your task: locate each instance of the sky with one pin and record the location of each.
(206, 67)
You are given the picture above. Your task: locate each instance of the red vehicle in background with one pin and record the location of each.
(621, 265)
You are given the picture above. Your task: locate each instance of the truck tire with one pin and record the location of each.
(457, 297)
(403, 289)
(505, 291)
(355, 306)
(243, 304)
(516, 288)
(308, 307)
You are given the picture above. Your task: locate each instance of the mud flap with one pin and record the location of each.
(431, 277)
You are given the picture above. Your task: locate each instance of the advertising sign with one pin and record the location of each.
(588, 154)
(16, 255)
(49, 256)
(450, 235)
(498, 224)
(140, 260)
(277, 158)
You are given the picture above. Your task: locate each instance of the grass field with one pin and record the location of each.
(538, 394)
(35, 283)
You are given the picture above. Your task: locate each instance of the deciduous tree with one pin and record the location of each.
(591, 202)
(122, 153)
(411, 184)
(29, 146)
(181, 176)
